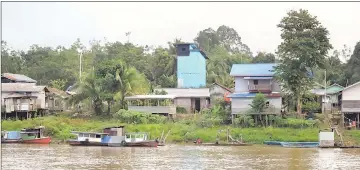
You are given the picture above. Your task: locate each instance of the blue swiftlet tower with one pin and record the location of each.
(191, 66)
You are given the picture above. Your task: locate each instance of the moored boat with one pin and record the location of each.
(34, 136)
(224, 144)
(10, 136)
(139, 139)
(88, 139)
(272, 143)
(300, 144)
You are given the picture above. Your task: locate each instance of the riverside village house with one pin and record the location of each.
(21, 98)
(251, 79)
(191, 93)
(350, 105)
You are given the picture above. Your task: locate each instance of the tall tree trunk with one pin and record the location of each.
(298, 105)
(109, 106)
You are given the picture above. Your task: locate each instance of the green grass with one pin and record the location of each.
(60, 127)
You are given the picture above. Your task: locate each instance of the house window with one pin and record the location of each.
(256, 82)
(98, 136)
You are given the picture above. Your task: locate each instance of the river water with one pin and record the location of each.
(22, 156)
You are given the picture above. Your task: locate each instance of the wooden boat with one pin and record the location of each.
(272, 142)
(300, 144)
(88, 139)
(141, 144)
(85, 143)
(223, 144)
(10, 137)
(34, 136)
(139, 139)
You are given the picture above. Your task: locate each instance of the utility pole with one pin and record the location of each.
(325, 94)
(80, 61)
(128, 36)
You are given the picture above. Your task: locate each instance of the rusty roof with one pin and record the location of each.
(222, 86)
(58, 92)
(18, 78)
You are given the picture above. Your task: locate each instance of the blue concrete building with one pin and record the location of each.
(191, 66)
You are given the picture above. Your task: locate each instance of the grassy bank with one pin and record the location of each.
(60, 127)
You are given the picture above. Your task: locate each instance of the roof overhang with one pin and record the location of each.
(136, 97)
(258, 78)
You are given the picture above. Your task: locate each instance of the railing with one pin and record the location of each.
(154, 109)
(260, 87)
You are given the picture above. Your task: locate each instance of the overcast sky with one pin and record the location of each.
(60, 23)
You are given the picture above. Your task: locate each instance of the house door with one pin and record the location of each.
(197, 104)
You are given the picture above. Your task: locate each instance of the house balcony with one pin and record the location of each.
(263, 88)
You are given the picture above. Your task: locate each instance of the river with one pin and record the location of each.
(22, 156)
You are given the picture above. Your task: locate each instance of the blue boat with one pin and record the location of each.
(272, 142)
(300, 144)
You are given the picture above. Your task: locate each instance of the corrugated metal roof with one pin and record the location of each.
(18, 78)
(258, 69)
(185, 92)
(150, 97)
(20, 87)
(250, 95)
(257, 78)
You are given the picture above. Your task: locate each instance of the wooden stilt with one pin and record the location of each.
(16, 116)
(358, 121)
(266, 119)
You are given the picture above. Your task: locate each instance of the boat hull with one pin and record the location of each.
(224, 144)
(272, 143)
(10, 141)
(85, 143)
(44, 140)
(300, 144)
(141, 144)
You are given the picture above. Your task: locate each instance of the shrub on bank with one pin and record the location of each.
(134, 117)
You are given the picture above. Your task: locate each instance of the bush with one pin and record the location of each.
(134, 117)
(180, 110)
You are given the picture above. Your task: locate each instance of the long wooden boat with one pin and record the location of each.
(223, 144)
(272, 143)
(300, 144)
(85, 143)
(141, 144)
(41, 140)
(34, 136)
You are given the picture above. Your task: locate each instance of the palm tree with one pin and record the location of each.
(88, 89)
(130, 82)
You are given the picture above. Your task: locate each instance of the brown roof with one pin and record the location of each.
(58, 92)
(222, 86)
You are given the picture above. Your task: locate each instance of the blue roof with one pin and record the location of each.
(258, 69)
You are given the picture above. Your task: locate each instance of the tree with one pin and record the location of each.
(304, 48)
(89, 89)
(353, 66)
(258, 103)
(263, 57)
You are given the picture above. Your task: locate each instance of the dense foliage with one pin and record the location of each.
(112, 70)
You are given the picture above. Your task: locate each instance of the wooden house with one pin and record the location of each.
(251, 79)
(22, 100)
(350, 105)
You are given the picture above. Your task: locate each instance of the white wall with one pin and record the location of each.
(352, 93)
(241, 105)
(241, 85)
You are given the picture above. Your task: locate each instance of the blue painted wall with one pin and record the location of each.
(191, 70)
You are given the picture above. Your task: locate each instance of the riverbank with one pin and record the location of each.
(59, 128)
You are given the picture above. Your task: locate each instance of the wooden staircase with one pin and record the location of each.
(334, 122)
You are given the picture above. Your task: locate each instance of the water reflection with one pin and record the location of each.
(17, 156)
